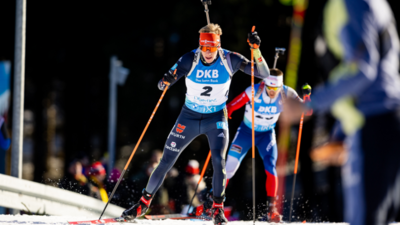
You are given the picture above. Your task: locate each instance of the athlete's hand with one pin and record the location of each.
(292, 110)
(254, 40)
(169, 77)
(306, 89)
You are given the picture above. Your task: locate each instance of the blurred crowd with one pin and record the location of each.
(174, 196)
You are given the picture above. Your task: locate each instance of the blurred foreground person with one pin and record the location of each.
(268, 101)
(364, 95)
(208, 71)
(333, 152)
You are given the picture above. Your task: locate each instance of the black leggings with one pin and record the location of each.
(188, 126)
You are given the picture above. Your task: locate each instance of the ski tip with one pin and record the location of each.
(101, 221)
(253, 28)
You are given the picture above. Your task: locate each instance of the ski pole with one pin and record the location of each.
(306, 97)
(137, 144)
(201, 177)
(277, 51)
(206, 3)
(252, 131)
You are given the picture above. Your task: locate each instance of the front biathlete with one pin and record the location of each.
(208, 71)
(268, 102)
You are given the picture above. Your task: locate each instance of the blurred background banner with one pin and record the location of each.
(5, 70)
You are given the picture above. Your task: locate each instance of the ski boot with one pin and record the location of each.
(272, 214)
(139, 209)
(217, 211)
(205, 208)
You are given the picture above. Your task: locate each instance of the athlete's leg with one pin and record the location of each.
(237, 151)
(266, 145)
(268, 150)
(215, 127)
(183, 132)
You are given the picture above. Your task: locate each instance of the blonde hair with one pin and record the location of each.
(211, 28)
(275, 72)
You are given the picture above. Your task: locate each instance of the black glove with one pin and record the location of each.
(254, 40)
(169, 77)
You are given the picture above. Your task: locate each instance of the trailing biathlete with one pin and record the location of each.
(208, 71)
(271, 94)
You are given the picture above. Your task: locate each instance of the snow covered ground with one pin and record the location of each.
(62, 220)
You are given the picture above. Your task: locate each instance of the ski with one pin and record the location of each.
(101, 221)
(176, 217)
(149, 217)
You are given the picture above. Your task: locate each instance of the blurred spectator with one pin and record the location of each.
(123, 194)
(74, 180)
(5, 141)
(183, 188)
(160, 202)
(96, 176)
(83, 158)
(114, 176)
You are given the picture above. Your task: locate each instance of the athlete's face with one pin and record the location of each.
(272, 93)
(209, 56)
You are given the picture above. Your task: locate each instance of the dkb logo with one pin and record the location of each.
(268, 109)
(207, 74)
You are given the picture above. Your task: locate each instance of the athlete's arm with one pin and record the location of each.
(261, 64)
(360, 62)
(291, 93)
(239, 62)
(237, 103)
(182, 69)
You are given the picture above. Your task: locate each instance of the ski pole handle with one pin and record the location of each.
(206, 2)
(306, 89)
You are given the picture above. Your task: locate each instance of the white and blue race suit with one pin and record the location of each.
(204, 112)
(266, 114)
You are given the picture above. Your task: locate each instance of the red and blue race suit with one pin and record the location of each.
(266, 114)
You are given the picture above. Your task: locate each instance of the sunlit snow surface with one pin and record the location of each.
(63, 220)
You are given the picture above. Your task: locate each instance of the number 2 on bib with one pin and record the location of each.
(208, 90)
